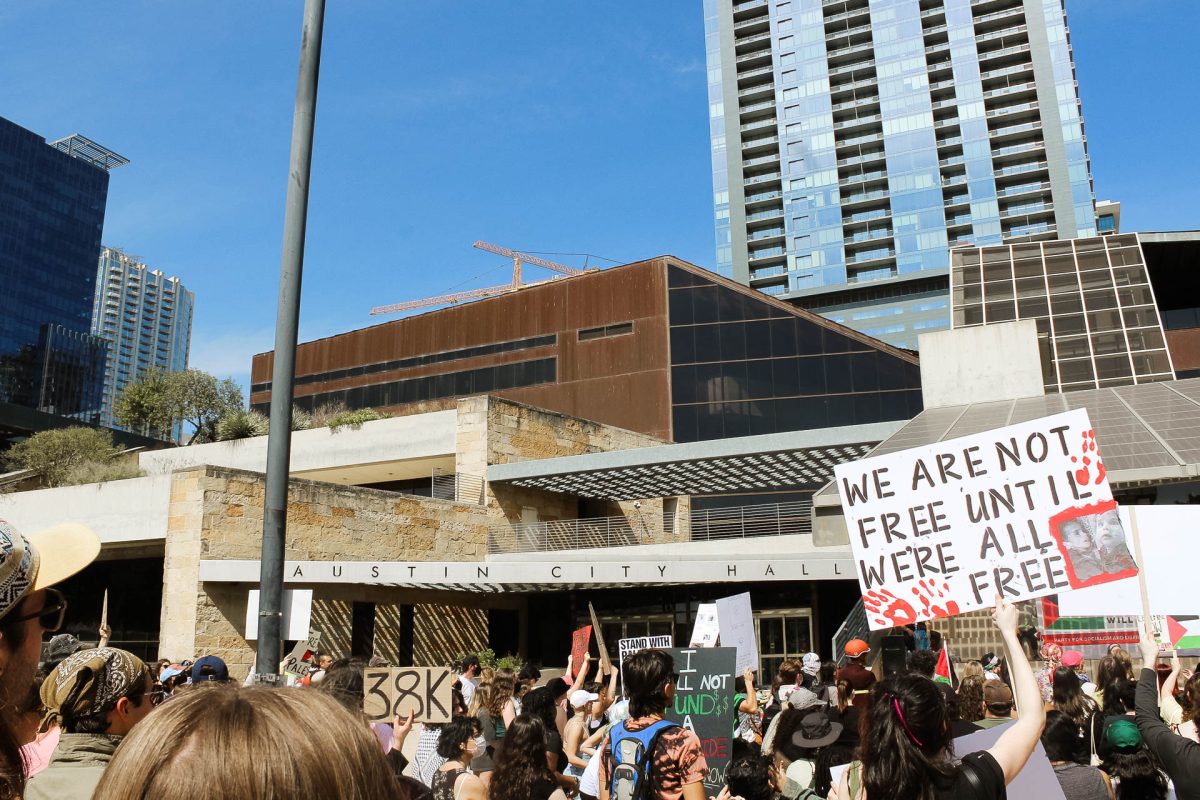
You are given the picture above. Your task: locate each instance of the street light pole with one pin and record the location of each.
(279, 442)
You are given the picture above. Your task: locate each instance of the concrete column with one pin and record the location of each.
(181, 565)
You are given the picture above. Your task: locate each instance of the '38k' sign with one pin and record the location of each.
(395, 691)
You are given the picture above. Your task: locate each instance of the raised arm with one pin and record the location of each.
(1016, 744)
(750, 704)
(581, 678)
(1180, 757)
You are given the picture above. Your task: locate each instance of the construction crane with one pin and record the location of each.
(518, 258)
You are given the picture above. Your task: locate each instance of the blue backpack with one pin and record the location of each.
(631, 755)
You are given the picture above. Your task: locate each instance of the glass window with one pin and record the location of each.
(1076, 371)
(1001, 311)
(1108, 367)
(1151, 363)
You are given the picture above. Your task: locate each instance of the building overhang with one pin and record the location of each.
(746, 463)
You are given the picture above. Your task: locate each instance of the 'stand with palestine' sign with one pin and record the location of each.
(1023, 510)
(704, 704)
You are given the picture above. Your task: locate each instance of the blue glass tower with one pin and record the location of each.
(52, 201)
(856, 141)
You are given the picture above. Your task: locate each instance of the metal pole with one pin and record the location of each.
(279, 442)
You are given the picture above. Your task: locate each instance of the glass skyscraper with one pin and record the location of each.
(855, 141)
(146, 318)
(52, 201)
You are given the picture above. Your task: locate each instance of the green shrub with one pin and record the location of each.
(241, 424)
(354, 419)
(301, 419)
(101, 471)
(327, 411)
(488, 659)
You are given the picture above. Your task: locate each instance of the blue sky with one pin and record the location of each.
(552, 125)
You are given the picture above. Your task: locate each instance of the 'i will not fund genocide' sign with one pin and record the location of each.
(1023, 511)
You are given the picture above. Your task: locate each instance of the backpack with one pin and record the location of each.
(631, 753)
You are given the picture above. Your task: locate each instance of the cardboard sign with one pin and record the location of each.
(579, 648)
(1112, 613)
(395, 691)
(605, 662)
(297, 614)
(1036, 778)
(704, 705)
(737, 630)
(1023, 510)
(707, 630)
(299, 662)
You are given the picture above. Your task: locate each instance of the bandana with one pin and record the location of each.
(90, 682)
(1052, 655)
(811, 664)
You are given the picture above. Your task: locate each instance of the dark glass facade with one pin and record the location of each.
(51, 217)
(741, 366)
(433, 387)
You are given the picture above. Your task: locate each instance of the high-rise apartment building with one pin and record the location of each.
(145, 316)
(855, 141)
(52, 202)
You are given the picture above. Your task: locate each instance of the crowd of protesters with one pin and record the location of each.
(98, 722)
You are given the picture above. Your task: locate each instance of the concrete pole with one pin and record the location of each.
(279, 442)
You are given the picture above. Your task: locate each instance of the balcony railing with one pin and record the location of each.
(739, 522)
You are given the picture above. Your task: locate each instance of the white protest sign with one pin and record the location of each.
(707, 630)
(737, 630)
(1036, 778)
(627, 647)
(1023, 510)
(297, 613)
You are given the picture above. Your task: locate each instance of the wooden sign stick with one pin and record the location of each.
(605, 663)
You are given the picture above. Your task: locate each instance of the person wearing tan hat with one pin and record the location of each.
(97, 696)
(29, 606)
(997, 704)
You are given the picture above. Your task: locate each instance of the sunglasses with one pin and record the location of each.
(51, 616)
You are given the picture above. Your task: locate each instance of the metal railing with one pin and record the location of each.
(637, 528)
(451, 486)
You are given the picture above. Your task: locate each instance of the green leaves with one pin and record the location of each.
(162, 400)
(61, 454)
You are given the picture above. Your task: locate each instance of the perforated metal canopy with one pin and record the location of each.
(796, 458)
(1148, 433)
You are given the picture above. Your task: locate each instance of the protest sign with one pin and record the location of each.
(299, 662)
(605, 661)
(1036, 778)
(395, 691)
(1112, 613)
(704, 705)
(1024, 511)
(707, 630)
(579, 648)
(297, 613)
(736, 619)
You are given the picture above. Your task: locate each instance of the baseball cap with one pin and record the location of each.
(169, 672)
(581, 697)
(1123, 734)
(90, 682)
(220, 672)
(802, 698)
(1072, 658)
(856, 648)
(997, 693)
(33, 562)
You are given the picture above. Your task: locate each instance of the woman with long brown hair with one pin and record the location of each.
(521, 772)
(252, 743)
(970, 698)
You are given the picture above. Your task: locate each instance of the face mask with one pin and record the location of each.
(480, 743)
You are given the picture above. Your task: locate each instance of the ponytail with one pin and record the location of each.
(907, 739)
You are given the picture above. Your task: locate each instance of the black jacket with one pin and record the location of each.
(1180, 757)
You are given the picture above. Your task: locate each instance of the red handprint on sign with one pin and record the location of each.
(1083, 475)
(887, 608)
(932, 597)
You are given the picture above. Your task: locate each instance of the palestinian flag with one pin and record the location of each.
(944, 672)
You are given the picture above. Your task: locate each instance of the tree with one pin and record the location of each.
(59, 452)
(161, 400)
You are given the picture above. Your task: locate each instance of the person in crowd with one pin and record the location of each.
(848, 715)
(747, 724)
(58, 648)
(993, 666)
(1133, 769)
(799, 701)
(37, 745)
(521, 772)
(825, 686)
(1107, 671)
(906, 741)
(810, 668)
(924, 663)
(561, 690)
(997, 704)
(1074, 660)
(1079, 781)
(468, 677)
(457, 742)
(577, 731)
(970, 698)
(803, 737)
(1124, 661)
(528, 677)
(1119, 703)
(495, 712)
(589, 783)
(97, 696)
(1081, 710)
(1179, 756)
(608, 696)
(252, 743)
(539, 702)
(855, 673)
(1180, 716)
(211, 669)
(970, 668)
(676, 764)
(749, 778)
(786, 678)
(426, 760)
(479, 697)
(29, 606)
(1051, 659)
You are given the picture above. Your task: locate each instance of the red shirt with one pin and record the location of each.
(860, 679)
